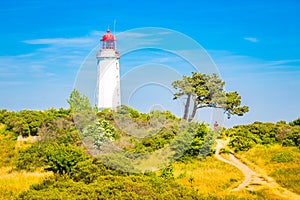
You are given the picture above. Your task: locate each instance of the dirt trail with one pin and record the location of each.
(253, 180)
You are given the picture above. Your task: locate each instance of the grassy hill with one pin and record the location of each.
(59, 164)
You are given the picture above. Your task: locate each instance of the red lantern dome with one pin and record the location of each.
(108, 36)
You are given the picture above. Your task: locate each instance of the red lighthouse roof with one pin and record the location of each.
(108, 36)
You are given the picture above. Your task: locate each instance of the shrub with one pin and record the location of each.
(296, 122)
(61, 159)
(110, 187)
(31, 158)
(244, 137)
(282, 157)
(89, 170)
(167, 172)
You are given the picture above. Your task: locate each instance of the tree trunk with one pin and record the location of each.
(194, 111)
(187, 106)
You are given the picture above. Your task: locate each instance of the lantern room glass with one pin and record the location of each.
(109, 44)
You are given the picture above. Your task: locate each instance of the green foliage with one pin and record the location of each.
(282, 157)
(56, 131)
(184, 139)
(25, 122)
(99, 133)
(140, 118)
(158, 141)
(61, 159)
(29, 122)
(292, 138)
(33, 121)
(119, 162)
(31, 158)
(78, 176)
(106, 113)
(167, 172)
(152, 131)
(207, 91)
(199, 139)
(296, 122)
(61, 130)
(232, 103)
(109, 187)
(78, 102)
(208, 143)
(89, 170)
(244, 137)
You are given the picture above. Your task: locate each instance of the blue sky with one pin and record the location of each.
(254, 44)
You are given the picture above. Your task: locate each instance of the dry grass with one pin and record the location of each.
(213, 177)
(208, 176)
(13, 183)
(154, 160)
(281, 163)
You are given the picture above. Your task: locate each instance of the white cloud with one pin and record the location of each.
(40, 71)
(97, 33)
(11, 83)
(251, 39)
(281, 62)
(59, 41)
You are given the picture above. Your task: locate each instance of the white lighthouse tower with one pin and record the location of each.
(108, 77)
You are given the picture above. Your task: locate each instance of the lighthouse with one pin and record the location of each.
(108, 75)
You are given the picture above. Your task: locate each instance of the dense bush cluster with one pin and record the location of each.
(28, 122)
(109, 187)
(159, 129)
(243, 137)
(77, 175)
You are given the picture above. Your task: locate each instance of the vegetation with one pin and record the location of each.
(16, 182)
(209, 176)
(244, 137)
(213, 178)
(272, 147)
(109, 187)
(281, 163)
(59, 149)
(207, 91)
(63, 161)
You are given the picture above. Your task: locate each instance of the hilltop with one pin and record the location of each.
(58, 163)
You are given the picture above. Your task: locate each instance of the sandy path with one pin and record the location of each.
(253, 180)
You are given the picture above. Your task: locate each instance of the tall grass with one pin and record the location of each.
(213, 178)
(281, 163)
(8, 150)
(208, 175)
(13, 183)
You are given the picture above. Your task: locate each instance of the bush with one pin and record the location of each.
(31, 158)
(109, 187)
(244, 137)
(98, 133)
(89, 170)
(62, 159)
(296, 122)
(167, 172)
